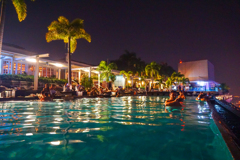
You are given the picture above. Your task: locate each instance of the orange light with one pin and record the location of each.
(180, 61)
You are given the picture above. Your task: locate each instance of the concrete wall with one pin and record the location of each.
(197, 70)
(211, 75)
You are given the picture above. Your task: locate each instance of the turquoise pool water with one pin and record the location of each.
(110, 128)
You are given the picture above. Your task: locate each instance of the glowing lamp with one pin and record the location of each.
(58, 64)
(30, 60)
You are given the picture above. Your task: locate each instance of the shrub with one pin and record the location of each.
(86, 81)
(30, 78)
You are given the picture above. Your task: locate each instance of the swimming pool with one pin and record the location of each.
(110, 128)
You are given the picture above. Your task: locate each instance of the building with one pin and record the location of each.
(17, 60)
(200, 74)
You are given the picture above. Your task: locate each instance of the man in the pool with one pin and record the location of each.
(173, 101)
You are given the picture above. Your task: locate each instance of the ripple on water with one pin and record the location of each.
(109, 128)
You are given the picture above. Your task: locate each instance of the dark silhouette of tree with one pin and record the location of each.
(166, 70)
(130, 62)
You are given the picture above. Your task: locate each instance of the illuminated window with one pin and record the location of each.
(19, 66)
(6, 65)
(14, 67)
(40, 72)
(23, 68)
(74, 75)
(52, 72)
(48, 72)
(31, 69)
(44, 72)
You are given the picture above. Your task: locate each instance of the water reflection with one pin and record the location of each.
(88, 121)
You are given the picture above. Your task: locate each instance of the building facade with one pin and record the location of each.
(200, 74)
(16, 60)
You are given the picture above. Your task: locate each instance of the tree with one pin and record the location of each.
(169, 82)
(126, 74)
(69, 33)
(166, 70)
(184, 80)
(21, 9)
(87, 82)
(152, 70)
(225, 88)
(177, 76)
(130, 62)
(106, 70)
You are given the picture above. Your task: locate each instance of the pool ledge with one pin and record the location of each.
(226, 133)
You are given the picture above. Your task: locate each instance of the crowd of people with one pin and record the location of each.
(175, 100)
(48, 93)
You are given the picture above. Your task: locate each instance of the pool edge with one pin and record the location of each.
(227, 135)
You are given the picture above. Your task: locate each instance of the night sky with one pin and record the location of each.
(161, 31)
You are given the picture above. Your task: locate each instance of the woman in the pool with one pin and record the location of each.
(173, 101)
(200, 97)
(181, 96)
(46, 97)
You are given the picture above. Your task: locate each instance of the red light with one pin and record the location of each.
(180, 61)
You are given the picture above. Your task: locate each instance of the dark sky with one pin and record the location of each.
(161, 31)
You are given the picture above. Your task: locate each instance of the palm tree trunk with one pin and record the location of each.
(69, 63)
(2, 22)
(152, 82)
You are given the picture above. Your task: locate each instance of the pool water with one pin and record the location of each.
(136, 128)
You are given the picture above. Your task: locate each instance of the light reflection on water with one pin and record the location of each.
(109, 128)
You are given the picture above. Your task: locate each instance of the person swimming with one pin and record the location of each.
(45, 97)
(181, 96)
(200, 97)
(173, 101)
(206, 97)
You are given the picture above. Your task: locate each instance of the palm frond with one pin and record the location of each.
(63, 20)
(73, 45)
(83, 35)
(21, 9)
(77, 23)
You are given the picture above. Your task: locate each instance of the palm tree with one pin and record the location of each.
(69, 33)
(169, 82)
(21, 9)
(106, 70)
(152, 70)
(126, 74)
(184, 80)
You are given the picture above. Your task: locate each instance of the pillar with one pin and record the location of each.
(59, 73)
(1, 63)
(16, 68)
(89, 75)
(79, 76)
(12, 66)
(36, 73)
(26, 68)
(21, 68)
(99, 78)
